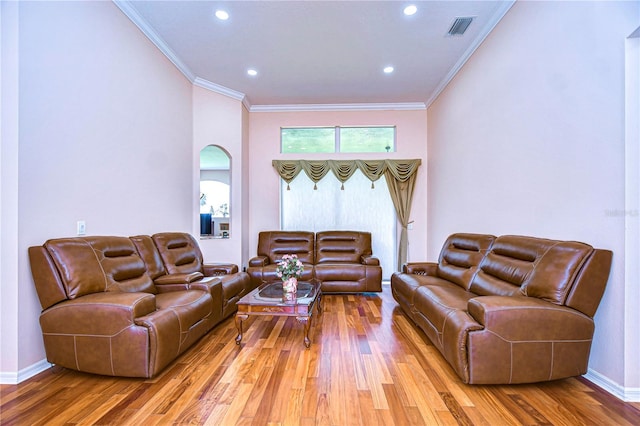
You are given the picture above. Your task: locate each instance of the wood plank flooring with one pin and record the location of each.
(367, 365)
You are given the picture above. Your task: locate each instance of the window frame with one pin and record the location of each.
(337, 136)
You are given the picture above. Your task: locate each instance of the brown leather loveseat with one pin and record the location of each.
(342, 261)
(123, 306)
(508, 309)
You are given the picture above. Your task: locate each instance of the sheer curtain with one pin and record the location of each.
(358, 207)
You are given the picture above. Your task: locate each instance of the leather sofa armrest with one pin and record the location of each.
(105, 313)
(420, 268)
(203, 283)
(370, 260)
(259, 261)
(217, 269)
(212, 285)
(167, 288)
(178, 278)
(522, 318)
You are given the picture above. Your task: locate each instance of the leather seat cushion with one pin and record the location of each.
(410, 283)
(191, 306)
(340, 272)
(438, 303)
(232, 286)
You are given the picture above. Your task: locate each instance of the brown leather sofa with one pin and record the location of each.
(171, 255)
(508, 309)
(342, 261)
(123, 306)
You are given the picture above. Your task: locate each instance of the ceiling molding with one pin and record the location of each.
(152, 35)
(206, 84)
(502, 10)
(407, 106)
(234, 94)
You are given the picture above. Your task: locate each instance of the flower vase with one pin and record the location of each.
(289, 289)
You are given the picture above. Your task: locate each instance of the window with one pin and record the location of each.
(358, 207)
(367, 139)
(214, 197)
(313, 139)
(337, 139)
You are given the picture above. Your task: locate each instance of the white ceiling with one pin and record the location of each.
(317, 52)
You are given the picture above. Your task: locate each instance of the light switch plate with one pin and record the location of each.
(81, 227)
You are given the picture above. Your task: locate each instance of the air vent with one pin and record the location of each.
(459, 26)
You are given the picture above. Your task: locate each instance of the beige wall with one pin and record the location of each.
(244, 189)
(104, 135)
(217, 120)
(9, 188)
(529, 139)
(264, 191)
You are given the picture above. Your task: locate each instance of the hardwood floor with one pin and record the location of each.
(367, 365)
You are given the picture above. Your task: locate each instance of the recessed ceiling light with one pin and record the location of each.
(388, 70)
(252, 72)
(222, 15)
(410, 10)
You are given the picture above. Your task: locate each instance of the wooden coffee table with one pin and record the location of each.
(267, 300)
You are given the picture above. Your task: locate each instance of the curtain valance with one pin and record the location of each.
(401, 170)
(400, 176)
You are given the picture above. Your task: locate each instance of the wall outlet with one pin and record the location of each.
(81, 227)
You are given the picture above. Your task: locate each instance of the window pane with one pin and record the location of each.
(367, 139)
(314, 139)
(214, 198)
(358, 208)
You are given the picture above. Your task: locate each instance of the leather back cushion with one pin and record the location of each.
(342, 246)
(78, 266)
(275, 244)
(94, 264)
(179, 251)
(556, 271)
(122, 266)
(46, 277)
(531, 266)
(150, 255)
(461, 255)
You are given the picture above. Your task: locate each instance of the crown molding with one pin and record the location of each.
(150, 33)
(407, 106)
(503, 8)
(234, 94)
(147, 30)
(206, 84)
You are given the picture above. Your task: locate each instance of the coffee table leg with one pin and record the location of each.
(239, 319)
(307, 324)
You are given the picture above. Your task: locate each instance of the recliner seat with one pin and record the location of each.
(342, 261)
(110, 307)
(509, 309)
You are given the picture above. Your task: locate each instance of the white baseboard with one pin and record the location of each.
(13, 378)
(620, 392)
